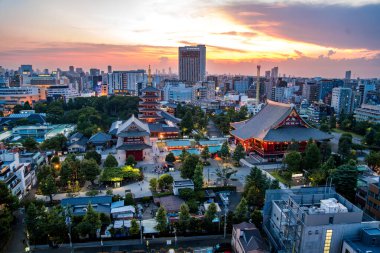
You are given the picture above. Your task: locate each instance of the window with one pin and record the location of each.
(331, 220)
(328, 237)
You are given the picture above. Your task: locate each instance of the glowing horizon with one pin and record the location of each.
(303, 38)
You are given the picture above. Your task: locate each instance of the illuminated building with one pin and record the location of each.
(192, 63)
(273, 129)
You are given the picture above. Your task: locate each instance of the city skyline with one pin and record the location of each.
(302, 38)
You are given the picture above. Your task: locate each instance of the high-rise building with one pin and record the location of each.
(348, 75)
(311, 91)
(125, 82)
(71, 69)
(267, 74)
(109, 69)
(274, 73)
(311, 220)
(192, 63)
(341, 100)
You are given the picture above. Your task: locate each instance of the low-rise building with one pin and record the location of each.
(369, 113)
(246, 238)
(182, 184)
(368, 242)
(311, 220)
(78, 205)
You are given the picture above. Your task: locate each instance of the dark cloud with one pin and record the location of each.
(330, 53)
(339, 26)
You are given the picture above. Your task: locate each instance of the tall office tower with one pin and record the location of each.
(341, 100)
(348, 75)
(274, 73)
(71, 69)
(192, 63)
(109, 69)
(311, 91)
(94, 72)
(267, 74)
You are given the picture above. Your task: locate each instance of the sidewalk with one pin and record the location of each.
(152, 242)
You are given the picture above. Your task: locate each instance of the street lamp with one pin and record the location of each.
(68, 223)
(141, 236)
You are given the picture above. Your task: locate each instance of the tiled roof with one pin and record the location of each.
(296, 134)
(137, 146)
(170, 117)
(100, 138)
(150, 89)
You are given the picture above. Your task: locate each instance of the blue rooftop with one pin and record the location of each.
(214, 149)
(372, 231)
(178, 143)
(209, 142)
(85, 200)
(191, 151)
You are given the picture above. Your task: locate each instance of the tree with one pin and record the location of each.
(325, 150)
(8, 204)
(257, 218)
(293, 146)
(373, 160)
(165, 181)
(324, 127)
(130, 160)
(48, 187)
(57, 143)
(135, 228)
(312, 159)
(70, 170)
(17, 108)
(93, 218)
(44, 171)
(225, 151)
(293, 161)
(345, 179)
(161, 219)
(128, 199)
(92, 154)
(184, 217)
(55, 226)
(30, 144)
(188, 166)
(26, 106)
(153, 184)
(332, 122)
(205, 154)
(370, 137)
(198, 176)
(239, 153)
(184, 154)
(225, 174)
(170, 158)
(110, 162)
(210, 213)
(319, 176)
(345, 145)
(187, 123)
(90, 170)
(241, 211)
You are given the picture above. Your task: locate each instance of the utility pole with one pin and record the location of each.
(225, 220)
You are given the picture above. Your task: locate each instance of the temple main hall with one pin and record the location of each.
(273, 129)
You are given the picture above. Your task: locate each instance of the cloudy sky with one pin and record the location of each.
(302, 37)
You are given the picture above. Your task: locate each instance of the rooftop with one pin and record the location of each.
(178, 143)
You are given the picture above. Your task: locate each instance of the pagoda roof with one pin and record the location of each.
(133, 146)
(262, 125)
(148, 103)
(148, 109)
(150, 116)
(170, 117)
(149, 96)
(150, 89)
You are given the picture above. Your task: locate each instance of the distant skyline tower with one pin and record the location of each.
(274, 73)
(192, 63)
(258, 85)
(109, 69)
(71, 69)
(348, 75)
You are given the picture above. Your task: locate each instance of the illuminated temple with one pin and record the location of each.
(273, 129)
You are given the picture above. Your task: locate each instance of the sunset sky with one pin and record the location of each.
(304, 37)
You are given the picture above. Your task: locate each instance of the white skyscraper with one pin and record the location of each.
(341, 100)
